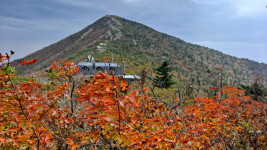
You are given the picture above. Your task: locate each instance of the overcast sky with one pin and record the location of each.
(235, 27)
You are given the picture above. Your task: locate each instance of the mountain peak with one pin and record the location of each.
(110, 23)
(112, 16)
(144, 45)
(109, 19)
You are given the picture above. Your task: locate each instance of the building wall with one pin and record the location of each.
(91, 70)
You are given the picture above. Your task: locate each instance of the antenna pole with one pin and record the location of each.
(112, 58)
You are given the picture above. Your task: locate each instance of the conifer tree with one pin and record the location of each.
(164, 77)
(256, 90)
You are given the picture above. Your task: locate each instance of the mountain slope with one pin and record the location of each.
(144, 46)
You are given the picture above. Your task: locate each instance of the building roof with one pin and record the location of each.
(126, 76)
(102, 64)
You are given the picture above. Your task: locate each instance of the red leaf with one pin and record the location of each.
(5, 57)
(29, 62)
(213, 88)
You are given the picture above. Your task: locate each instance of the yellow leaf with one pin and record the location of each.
(119, 140)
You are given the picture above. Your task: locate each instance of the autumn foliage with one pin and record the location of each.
(104, 113)
(25, 62)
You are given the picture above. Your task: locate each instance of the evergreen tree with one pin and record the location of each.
(256, 90)
(164, 77)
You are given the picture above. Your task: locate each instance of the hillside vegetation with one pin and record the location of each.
(143, 47)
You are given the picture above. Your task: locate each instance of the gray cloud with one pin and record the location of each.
(226, 25)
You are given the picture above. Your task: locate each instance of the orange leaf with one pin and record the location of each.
(170, 114)
(107, 88)
(135, 104)
(29, 62)
(47, 138)
(123, 86)
(54, 113)
(74, 147)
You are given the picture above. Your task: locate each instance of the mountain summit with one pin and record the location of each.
(142, 45)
